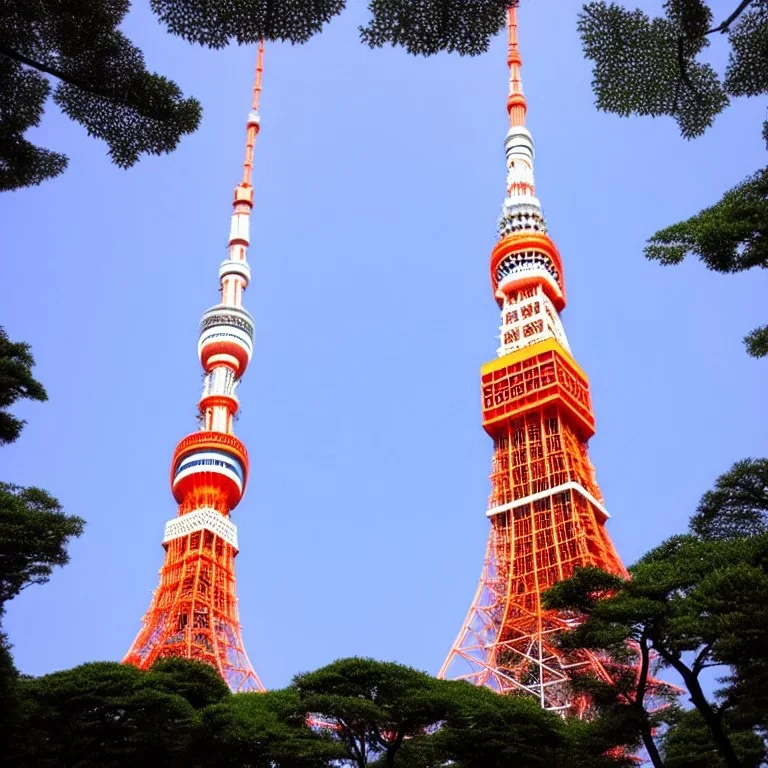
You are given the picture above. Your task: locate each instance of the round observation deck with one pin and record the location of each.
(226, 338)
(210, 461)
(523, 259)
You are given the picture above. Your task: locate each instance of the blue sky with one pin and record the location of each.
(378, 183)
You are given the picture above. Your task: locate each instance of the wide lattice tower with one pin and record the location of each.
(193, 613)
(546, 512)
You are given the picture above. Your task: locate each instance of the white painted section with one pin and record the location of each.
(224, 330)
(518, 317)
(220, 420)
(228, 333)
(223, 360)
(518, 147)
(571, 485)
(529, 270)
(234, 267)
(240, 227)
(203, 468)
(220, 381)
(228, 290)
(201, 519)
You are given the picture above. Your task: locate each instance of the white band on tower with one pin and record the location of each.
(201, 520)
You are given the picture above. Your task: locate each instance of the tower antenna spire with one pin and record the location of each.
(516, 103)
(193, 613)
(254, 120)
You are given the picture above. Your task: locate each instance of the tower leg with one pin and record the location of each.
(193, 613)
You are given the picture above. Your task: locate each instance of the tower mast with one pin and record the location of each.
(193, 613)
(545, 509)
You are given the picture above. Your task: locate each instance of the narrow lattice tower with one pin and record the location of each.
(546, 512)
(193, 613)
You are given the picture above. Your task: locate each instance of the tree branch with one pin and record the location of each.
(81, 84)
(723, 28)
(698, 663)
(681, 63)
(642, 684)
(712, 717)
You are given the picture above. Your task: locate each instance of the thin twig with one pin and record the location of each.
(723, 28)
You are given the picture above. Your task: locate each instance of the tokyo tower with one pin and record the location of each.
(193, 613)
(546, 512)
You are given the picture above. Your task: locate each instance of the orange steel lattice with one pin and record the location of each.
(545, 508)
(193, 613)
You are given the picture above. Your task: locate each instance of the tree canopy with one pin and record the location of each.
(386, 714)
(34, 530)
(372, 706)
(655, 66)
(737, 505)
(110, 714)
(16, 383)
(427, 27)
(101, 83)
(34, 535)
(217, 23)
(178, 713)
(362, 713)
(694, 602)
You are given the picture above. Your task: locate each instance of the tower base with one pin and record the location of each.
(193, 613)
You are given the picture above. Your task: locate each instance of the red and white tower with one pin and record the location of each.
(193, 613)
(546, 512)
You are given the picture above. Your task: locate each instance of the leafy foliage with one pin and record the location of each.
(103, 84)
(22, 100)
(179, 713)
(34, 534)
(689, 744)
(485, 730)
(426, 27)
(16, 380)
(216, 23)
(261, 730)
(651, 66)
(756, 341)
(727, 237)
(631, 706)
(9, 696)
(386, 714)
(737, 505)
(647, 66)
(747, 72)
(110, 714)
(373, 706)
(199, 684)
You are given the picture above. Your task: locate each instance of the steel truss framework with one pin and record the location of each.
(193, 613)
(506, 641)
(545, 508)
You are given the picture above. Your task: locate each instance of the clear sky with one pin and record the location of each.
(379, 178)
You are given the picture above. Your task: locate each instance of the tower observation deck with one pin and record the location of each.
(545, 509)
(193, 613)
